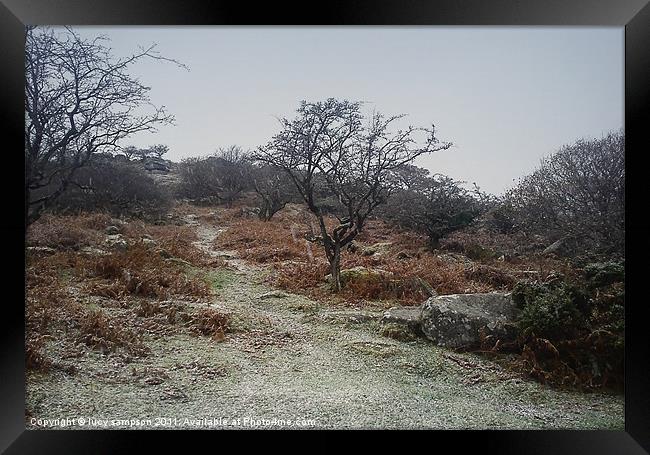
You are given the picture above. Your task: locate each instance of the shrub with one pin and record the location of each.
(553, 315)
(577, 193)
(35, 358)
(101, 331)
(65, 233)
(604, 273)
(271, 241)
(218, 178)
(117, 187)
(434, 205)
(571, 334)
(210, 323)
(141, 271)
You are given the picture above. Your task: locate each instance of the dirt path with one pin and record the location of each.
(295, 359)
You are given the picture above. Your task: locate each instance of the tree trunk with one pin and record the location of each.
(27, 200)
(335, 268)
(434, 242)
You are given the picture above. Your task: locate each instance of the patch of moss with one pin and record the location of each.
(217, 279)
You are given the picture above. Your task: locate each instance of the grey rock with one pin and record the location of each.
(116, 242)
(112, 230)
(44, 250)
(156, 164)
(378, 248)
(352, 316)
(409, 317)
(148, 241)
(273, 295)
(178, 261)
(456, 320)
(90, 251)
(554, 248)
(224, 255)
(249, 212)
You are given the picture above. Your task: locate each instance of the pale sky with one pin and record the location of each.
(505, 96)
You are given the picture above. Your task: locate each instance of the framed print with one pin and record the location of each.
(381, 217)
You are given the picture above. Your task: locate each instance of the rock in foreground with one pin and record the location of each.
(410, 317)
(455, 320)
(402, 323)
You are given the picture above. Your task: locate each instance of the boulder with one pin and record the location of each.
(249, 212)
(43, 250)
(556, 247)
(456, 320)
(116, 242)
(91, 251)
(156, 164)
(112, 230)
(165, 254)
(407, 316)
(378, 248)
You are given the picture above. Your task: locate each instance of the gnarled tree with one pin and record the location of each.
(327, 149)
(79, 100)
(273, 188)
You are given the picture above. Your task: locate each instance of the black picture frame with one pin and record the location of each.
(634, 15)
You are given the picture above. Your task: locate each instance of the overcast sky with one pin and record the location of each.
(505, 96)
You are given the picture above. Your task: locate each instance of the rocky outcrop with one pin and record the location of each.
(457, 320)
(155, 164)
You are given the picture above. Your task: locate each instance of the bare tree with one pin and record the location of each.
(577, 193)
(222, 176)
(273, 188)
(326, 148)
(79, 100)
(231, 167)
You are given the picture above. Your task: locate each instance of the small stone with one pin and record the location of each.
(45, 250)
(273, 295)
